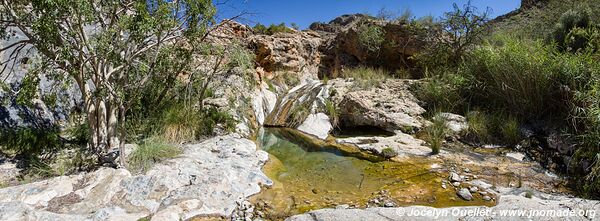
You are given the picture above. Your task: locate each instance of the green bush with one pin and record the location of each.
(332, 112)
(272, 29)
(442, 92)
(150, 152)
(478, 124)
(515, 77)
(563, 34)
(371, 37)
(31, 141)
(510, 130)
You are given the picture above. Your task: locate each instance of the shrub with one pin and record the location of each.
(511, 132)
(371, 37)
(565, 31)
(365, 77)
(441, 92)
(478, 126)
(179, 124)
(31, 141)
(150, 152)
(332, 112)
(272, 29)
(514, 77)
(436, 134)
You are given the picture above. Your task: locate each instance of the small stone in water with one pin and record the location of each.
(456, 184)
(465, 194)
(487, 198)
(467, 170)
(455, 177)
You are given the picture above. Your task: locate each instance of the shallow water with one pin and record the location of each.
(308, 177)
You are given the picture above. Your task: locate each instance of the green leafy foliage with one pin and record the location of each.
(388, 152)
(371, 37)
(442, 91)
(272, 29)
(30, 141)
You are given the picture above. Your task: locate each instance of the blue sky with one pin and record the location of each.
(304, 12)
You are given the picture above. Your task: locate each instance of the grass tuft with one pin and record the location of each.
(436, 134)
(150, 152)
(365, 77)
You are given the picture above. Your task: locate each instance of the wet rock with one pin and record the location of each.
(487, 198)
(465, 194)
(456, 184)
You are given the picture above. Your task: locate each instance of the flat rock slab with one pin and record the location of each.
(207, 179)
(507, 203)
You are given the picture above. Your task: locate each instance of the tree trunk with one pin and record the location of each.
(102, 120)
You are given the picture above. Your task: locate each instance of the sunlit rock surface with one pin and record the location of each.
(208, 178)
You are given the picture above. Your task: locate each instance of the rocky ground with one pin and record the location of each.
(206, 180)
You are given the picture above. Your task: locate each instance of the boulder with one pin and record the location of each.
(317, 124)
(390, 107)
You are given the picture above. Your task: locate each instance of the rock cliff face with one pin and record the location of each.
(344, 49)
(287, 52)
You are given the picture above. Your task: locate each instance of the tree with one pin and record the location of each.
(111, 49)
(460, 29)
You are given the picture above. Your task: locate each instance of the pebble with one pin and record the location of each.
(455, 177)
(343, 206)
(483, 193)
(444, 185)
(473, 189)
(467, 170)
(456, 184)
(389, 204)
(487, 198)
(465, 194)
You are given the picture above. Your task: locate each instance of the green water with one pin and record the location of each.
(311, 174)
